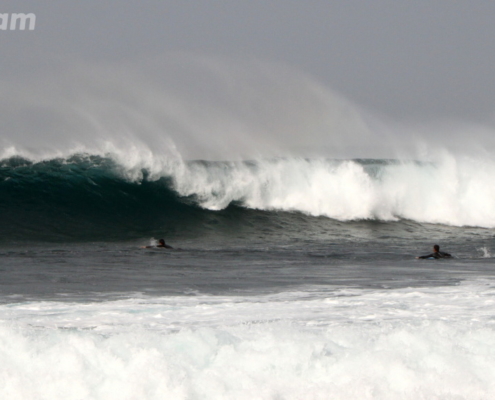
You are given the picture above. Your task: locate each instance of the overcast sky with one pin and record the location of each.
(411, 60)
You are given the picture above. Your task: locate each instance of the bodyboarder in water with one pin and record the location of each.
(161, 244)
(436, 254)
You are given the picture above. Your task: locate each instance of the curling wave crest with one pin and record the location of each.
(84, 190)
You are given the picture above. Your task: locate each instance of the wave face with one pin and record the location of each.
(83, 197)
(86, 196)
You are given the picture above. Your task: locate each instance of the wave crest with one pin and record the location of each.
(451, 191)
(98, 194)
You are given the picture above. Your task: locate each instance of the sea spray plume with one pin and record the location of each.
(209, 108)
(424, 140)
(486, 252)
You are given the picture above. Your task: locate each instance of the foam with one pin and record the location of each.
(312, 344)
(452, 190)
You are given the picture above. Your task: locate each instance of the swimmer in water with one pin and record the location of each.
(436, 254)
(161, 244)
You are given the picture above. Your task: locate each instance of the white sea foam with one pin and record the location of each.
(486, 252)
(432, 343)
(452, 190)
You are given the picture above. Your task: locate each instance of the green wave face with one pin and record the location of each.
(88, 198)
(84, 199)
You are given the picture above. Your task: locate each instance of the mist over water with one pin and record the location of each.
(188, 106)
(194, 107)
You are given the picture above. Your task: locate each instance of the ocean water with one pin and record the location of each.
(290, 278)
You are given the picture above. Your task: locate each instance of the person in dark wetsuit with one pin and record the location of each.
(436, 254)
(161, 244)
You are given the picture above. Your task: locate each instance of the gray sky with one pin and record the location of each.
(403, 60)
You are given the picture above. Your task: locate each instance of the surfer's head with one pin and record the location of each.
(162, 242)
(436, 248)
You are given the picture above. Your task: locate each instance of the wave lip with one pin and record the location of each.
(83, 196)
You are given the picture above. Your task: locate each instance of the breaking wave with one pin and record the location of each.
(95, 194)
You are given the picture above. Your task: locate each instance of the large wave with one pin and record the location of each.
(92, 194)
(103, 149)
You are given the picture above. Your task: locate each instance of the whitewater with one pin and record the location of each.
(296, 219)
(311, 344)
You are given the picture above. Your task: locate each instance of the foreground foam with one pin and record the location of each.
(403, 344)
